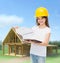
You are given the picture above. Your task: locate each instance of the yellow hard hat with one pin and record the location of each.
(41, 12)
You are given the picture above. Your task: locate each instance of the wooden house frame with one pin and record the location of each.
(15, 44)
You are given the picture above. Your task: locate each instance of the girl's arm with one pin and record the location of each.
(45, 43)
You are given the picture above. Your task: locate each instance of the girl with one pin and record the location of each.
(42, 31)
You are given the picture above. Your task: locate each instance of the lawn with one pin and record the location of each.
(55, 59)
(50, 59)
(6, 57)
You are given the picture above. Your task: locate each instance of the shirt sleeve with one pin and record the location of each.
(48, 30)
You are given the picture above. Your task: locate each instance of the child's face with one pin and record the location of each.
(41, 20)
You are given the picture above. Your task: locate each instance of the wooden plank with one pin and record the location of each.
(3, 48)
(15, 49)
(9, 49)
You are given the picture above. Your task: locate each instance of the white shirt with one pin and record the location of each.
(40, 34)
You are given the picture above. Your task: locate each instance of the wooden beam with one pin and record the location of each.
(9, 49)
(3, 48)
(14, 43)
(15, 38)
(15, 49)
(22, 49)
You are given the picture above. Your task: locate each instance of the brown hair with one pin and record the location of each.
(46, 22)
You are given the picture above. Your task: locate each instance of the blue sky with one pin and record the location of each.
(21, 13)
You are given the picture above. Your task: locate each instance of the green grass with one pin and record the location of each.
(6, 57)
(50, 59)
(54, 59)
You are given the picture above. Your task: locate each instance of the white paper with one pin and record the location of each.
(27, 33)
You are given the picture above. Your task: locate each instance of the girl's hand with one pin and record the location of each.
(38, 43)
(14, 28)
(26, 41)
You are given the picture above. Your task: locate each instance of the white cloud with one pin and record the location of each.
(10, 20)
